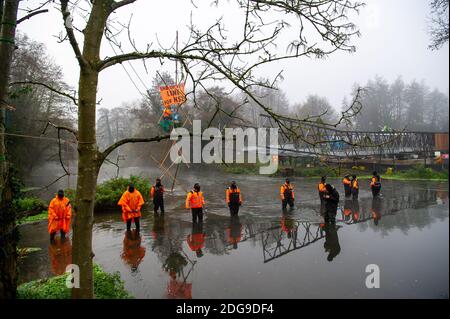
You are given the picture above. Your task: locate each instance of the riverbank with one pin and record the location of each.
(419, 172)
(106, 286)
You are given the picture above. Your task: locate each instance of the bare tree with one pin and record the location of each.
(439, 26)
(206, 55)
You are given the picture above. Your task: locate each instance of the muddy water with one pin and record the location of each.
(265, 253)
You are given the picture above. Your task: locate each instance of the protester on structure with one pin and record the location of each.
(321, 187)
(287, 194)
(375, 184)
(131, 202)
(355, 187)
(59, 215)
(233, 198)
(347, 185)
(157, 194)
(331, 198)
(195, 201)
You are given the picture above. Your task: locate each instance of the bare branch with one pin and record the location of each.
(69, 29)
(28, 16)
(74, 100)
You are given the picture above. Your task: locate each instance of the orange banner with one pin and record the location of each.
(172, 95)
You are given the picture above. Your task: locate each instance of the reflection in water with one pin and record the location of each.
(133, 253)
(60, 252)
(331, 244)
(234, 231)
(263, 235)
(196, 240)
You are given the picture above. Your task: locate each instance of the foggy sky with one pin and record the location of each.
(394, 43)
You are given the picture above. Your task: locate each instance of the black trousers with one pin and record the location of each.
(197, 215)
(136, 223)
(376, 190)
(355, 193)
(62, 233)
(158, 204)
(234, 209)
(287, 201)
(347, 191)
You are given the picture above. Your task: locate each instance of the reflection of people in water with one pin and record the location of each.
(133, 253)
(196, 241)
(355, 210)
(158, 229)
(234, 231)
(376, 209)
(347, 209)
(331, 244)
(288, 225)
(177, 287)
(60, 252)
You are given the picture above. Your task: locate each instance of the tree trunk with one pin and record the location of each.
(8, 230)
(88, 155)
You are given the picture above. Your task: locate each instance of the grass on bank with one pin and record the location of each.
(418, 172)
(33, 218)
(106, 286)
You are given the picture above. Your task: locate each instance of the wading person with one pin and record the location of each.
(375, 184)
(59, 215)
(157, 195)
(233, 198)
(355, 187)
(331, 198)
(287, 194)
(195, 201)
(347, 185)
(131, 202)
(321, 187)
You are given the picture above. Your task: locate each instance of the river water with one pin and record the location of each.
(266, 253)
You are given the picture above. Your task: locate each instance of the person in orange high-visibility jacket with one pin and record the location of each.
(196, 240)
(59, 215)
(195, 201)
(167, 114)
(375, 184)
(347, 186)
(131, 202)
(233, 198)
(321, 188)
(287, 194)
(355, 187)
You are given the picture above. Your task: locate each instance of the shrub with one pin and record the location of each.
(27, 204)
(109, 192)
(106, 286)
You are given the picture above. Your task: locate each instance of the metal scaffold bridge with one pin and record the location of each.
(299, 139)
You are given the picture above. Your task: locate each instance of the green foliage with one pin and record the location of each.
(109, 192)
(33, 218)
(106, 286)
(421, 172)
(29, 204)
